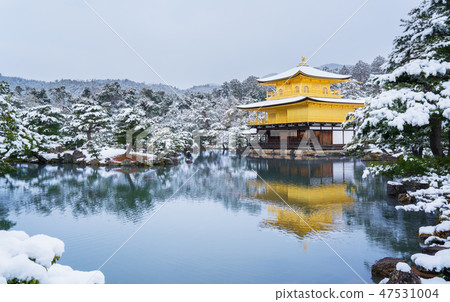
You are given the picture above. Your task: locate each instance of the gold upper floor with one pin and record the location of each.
(303, 86)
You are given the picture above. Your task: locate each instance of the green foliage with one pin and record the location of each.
(88, 121)
(6, 224)
(165, 143)
(407, 166)
(93, 149)
(47, 121)
(5, 168)
(18, 281)
(130, 119)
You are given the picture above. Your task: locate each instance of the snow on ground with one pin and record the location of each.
(104, 154)
(27, 258)
(49, 156)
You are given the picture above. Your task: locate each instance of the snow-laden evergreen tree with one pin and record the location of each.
(413, 110)
(345, 70)
(89, 121)
(155, 103)
(377, 65)
(129, 123)
(361, 71)
(165, 142)
(47, 121)
(60, 96)
(15, 139)
(252, 89)
(110, 95)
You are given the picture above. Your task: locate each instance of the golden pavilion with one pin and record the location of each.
(303, 99)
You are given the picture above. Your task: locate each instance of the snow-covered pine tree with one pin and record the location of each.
(344, 70)
(132, 119)
(60, 96)
(110, 95)
(413, 110)
(15, 139)
(377, 65)
(361, 71)
(47, 121)
(89, 121)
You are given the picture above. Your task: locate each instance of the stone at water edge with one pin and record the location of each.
(405, 198)
(411, 185)
(442, 234)
(399, 277)
(126, 162)
(394, 189)
(384, 267)
(431, 250)
(67, 158)
(144, 161)
(77, 154)
(94, 162)
(167, 161)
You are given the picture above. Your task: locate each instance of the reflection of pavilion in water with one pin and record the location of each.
(316, 190)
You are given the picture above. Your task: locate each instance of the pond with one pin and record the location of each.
(221, 219)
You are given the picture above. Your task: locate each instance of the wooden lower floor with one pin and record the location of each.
(297, 136)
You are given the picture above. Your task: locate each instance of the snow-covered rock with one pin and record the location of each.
(403, 267)
(436, 262)
(28, 258)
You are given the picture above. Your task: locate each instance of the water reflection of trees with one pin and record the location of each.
(324, 191)
(128, 194)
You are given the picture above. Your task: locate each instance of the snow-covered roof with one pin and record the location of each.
(305, 70)
(297, 99)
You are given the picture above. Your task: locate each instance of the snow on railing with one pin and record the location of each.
(274, 95)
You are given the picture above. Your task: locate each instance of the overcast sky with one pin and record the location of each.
(189, 42)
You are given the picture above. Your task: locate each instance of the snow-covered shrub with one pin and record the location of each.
(164, 142)
(130, 120)
(47, 121)
(5, 168)
(407, 166)
(25, 259)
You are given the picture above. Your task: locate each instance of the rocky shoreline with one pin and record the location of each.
(112, 158)
(432, 265)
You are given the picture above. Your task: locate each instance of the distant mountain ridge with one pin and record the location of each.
(334, 67)
(76, 87)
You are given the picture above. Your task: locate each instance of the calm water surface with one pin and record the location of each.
(225, 225)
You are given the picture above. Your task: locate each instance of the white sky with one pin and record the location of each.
(189, 42)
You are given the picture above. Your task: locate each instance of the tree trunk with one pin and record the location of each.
(130, 147)
(89, 135)
(435, 137)
(417, 151)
